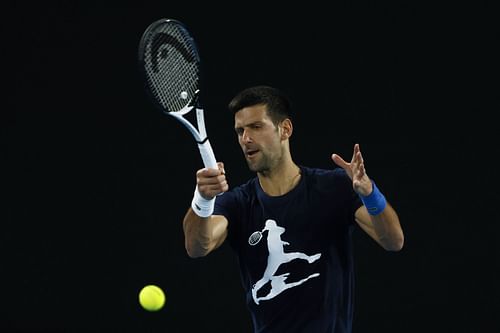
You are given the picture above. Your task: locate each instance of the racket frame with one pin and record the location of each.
(199, 133)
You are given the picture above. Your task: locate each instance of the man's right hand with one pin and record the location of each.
(211, 182)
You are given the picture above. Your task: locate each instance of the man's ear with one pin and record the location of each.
(286, 129)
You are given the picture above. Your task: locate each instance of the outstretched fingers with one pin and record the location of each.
(359, 169)
(357, 159)
(355, 152)
(340, 161)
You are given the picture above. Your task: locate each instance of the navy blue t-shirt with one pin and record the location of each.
(299, 275)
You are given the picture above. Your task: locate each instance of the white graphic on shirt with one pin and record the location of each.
(277, 257)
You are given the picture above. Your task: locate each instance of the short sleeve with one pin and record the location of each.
(353, 201)
(228, 205)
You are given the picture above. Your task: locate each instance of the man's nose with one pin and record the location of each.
(245, 137)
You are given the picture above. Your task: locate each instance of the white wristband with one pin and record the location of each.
(201, 206)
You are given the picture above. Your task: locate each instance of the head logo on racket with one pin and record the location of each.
(170, 64)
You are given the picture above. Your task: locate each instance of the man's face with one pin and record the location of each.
(258, 137)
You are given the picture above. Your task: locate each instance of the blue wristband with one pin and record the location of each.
(375, 202)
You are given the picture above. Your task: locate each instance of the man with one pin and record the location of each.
(291, 225)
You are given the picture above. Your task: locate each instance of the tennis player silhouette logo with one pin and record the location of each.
(278, 256)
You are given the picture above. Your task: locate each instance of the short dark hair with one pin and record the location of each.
(278, 104)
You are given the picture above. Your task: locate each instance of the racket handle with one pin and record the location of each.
(207, 155)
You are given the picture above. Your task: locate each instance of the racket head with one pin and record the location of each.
(170, 64)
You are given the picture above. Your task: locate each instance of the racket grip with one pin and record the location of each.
(207, 155)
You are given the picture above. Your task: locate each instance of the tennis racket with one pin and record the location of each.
(170, 63)
(255, 238)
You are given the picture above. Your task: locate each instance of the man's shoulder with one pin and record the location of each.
(244, 189)
(323, 173)
(237, 195)
(329, 180)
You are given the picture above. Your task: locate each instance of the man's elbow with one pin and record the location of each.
(196, 251)
(195, 254)
(395, 245)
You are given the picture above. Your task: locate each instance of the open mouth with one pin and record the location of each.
(251, 153)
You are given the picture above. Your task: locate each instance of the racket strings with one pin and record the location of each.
(172, 66)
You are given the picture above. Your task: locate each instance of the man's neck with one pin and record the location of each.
(280, 180)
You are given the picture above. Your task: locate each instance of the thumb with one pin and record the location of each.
(339, 161)
(221, 167)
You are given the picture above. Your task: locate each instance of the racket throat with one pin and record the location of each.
(200, 118)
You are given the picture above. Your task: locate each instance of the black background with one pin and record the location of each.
(96, 181)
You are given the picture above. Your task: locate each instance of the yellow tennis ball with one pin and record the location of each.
(152, 298)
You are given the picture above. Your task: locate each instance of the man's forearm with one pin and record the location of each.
(388, 229)
(197, 234)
